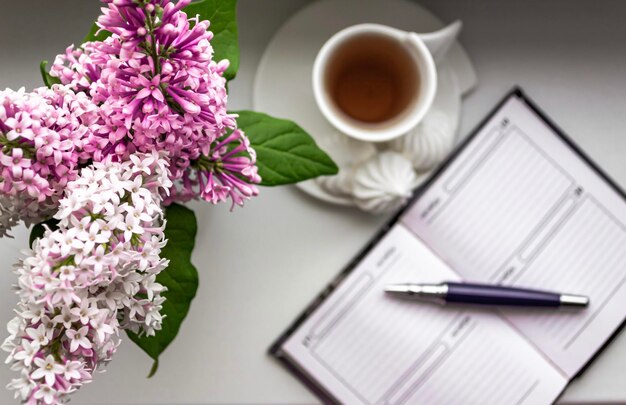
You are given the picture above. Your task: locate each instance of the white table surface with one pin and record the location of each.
(259, 266)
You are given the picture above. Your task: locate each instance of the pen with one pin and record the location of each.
(482, 294)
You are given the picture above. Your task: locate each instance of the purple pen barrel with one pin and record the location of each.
(481, 294)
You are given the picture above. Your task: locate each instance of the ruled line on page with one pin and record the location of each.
(490, 371)
(511, 269)
(581, 257)
(496, 209)
(470, 162)
(417, 376)
(345, 351)
(556, 217)
(349, 300)
(325, 322)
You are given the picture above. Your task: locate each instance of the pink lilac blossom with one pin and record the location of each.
(94, 275)
(158, 87)
(43, 138)
(227, 171)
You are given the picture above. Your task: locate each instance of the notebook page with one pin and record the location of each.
(519, 207)
(364, 347)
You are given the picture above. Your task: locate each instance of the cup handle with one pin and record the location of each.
(439, 42)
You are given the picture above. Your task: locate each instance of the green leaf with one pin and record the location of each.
(285, 152)
(180, 278)
(47, 79)
(39, 229)
(222, 14)
(94, 36)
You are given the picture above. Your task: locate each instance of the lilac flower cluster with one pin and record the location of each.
(139, 121)
(94, 275)
(43, 139)
(158, 87)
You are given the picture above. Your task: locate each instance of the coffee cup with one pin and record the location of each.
(375, 83)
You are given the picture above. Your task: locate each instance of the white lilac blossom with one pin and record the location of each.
(93, 276)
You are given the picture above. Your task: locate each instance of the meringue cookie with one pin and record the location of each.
(383, 183)
(347, 153)
(427, 144)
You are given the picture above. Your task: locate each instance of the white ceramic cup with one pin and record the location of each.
(405, 120)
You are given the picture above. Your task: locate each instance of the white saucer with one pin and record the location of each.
(283, 83)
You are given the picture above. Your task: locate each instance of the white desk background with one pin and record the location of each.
(259, 266)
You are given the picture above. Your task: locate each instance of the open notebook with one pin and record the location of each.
(516, 204)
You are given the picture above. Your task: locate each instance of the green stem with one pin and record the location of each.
(69, 261)
(8, 146)
(153, 49)
(205, 164)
